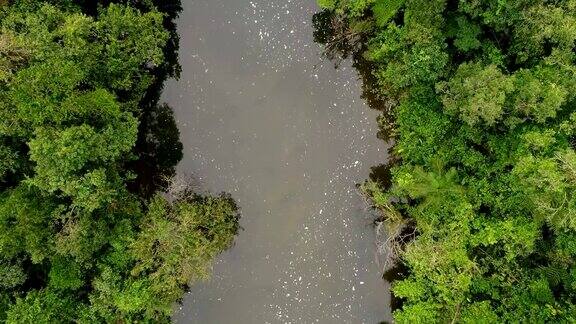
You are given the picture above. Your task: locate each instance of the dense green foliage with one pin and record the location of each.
(81, 240)
(482, 202)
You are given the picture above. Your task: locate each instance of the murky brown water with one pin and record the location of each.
(289, 141)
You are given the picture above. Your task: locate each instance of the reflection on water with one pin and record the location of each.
(158, 147)
(331, 31)
(337, 48)
(264, 116)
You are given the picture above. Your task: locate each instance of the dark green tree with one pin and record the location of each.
(82, 238)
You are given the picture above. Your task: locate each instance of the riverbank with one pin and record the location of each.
(479, 207)
(90, 230)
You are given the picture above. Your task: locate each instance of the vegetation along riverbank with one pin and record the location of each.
(88, 233)
(479, 205)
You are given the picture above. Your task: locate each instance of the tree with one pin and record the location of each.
(480, 201)
(79, 242)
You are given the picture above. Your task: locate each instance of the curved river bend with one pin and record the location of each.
(263, 117)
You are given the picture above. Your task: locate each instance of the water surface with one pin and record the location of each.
(264, 117)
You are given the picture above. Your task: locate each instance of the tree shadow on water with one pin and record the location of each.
(159, 150)
(340, 44)
(158, 147)
(330, 30)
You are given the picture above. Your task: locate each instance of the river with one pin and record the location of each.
(263, 116)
